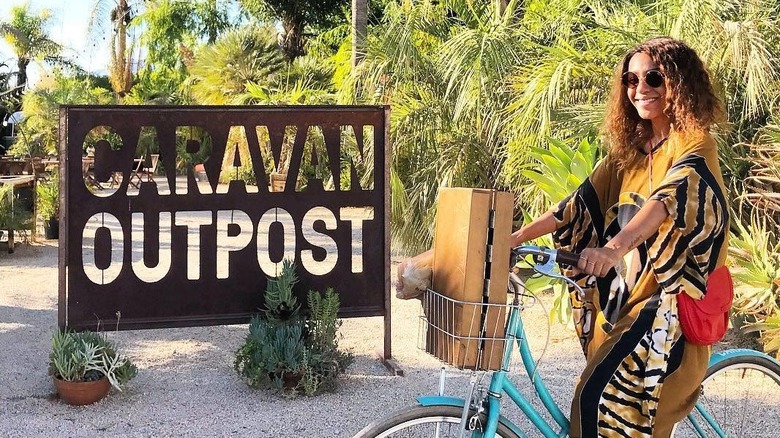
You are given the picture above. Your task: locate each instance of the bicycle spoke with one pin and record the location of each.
(741, 400)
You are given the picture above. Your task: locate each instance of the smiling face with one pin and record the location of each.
(648, 101)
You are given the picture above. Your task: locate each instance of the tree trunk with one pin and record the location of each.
(120, 74)
(21, 75)
(502, 4)
(292, 42)
(359, 30)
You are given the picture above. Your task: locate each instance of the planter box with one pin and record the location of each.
(277, 181)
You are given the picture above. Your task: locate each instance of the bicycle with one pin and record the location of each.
(719, 412)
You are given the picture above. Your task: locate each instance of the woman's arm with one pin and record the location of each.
(544, 224)
(598, 261)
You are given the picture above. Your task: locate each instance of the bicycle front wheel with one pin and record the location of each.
(740, 397)
(424, 421)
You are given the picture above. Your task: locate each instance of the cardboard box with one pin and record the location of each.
(470, 264)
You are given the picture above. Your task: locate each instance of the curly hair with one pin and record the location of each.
(691, 102)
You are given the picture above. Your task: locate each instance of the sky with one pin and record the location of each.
(67, 26)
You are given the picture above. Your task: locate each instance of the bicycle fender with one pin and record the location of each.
(735, 352)
(441, 400)
(436, 400)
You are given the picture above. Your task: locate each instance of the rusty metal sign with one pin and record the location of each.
(176, 216)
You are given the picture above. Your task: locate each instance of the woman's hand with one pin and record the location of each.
(598, 261)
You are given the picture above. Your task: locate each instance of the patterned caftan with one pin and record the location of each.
(641, 376)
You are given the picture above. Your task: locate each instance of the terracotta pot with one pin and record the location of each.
(82, 393)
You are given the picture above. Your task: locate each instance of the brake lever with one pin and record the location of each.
(548, 268)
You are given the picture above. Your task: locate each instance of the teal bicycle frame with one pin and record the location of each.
(500, 384)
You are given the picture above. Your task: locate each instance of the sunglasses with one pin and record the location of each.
(653, 78)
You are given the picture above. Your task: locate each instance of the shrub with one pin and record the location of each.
(288, 352)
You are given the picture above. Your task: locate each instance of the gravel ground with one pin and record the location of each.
(186, 385)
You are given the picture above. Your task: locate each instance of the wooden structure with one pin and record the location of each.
(470, 265)
(198, 255)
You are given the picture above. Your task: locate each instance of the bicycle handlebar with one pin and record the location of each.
(544, 263)
(544, 255)
(567, 258)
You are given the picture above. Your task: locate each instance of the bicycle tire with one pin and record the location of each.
(420, 421)
(741, 394)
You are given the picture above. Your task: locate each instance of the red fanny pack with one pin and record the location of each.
(704, 322)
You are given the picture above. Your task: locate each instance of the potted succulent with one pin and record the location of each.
(85, 365)
(48, 201)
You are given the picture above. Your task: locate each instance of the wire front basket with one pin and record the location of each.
(464, 334)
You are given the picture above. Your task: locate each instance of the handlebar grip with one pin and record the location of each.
(567, 258)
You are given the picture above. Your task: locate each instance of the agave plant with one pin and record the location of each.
(288, 351)
(560, 170)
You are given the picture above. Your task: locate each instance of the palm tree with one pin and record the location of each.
(510, 79)
(120, 14)
(171, 30)
(359, 28)
(26, 33)
(443, 77)
(296, 18)
(220, 72)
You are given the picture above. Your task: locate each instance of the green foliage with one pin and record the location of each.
(326, 361)
(475, 87)
(26, 33)
(296, 16)
(13, 215)
(221, 71)
(300, 92)
(39, 132)
(561, 168)
(444, 78)
(48, 197)
(112, 21)
(270, 351)
(754, 248)
(171, 24)
(162, 86)
(171, 28)
(280, 301)
(88, 356)
(287, 352)
(557, 172)
(243, 173)
(185, 159)
(323, 320)
(755, 258)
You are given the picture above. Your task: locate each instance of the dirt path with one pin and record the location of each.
(186, 385)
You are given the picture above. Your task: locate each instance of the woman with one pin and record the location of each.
(650, 222)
